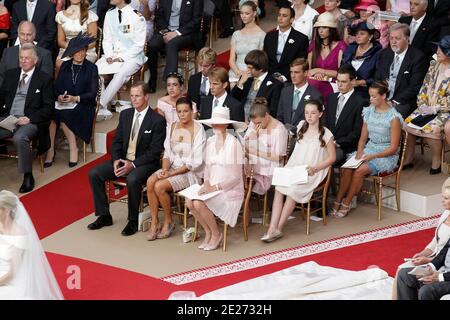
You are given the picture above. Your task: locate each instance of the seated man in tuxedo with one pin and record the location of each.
(404, 67)
(423, 30)
(343, 114)
(430, 287)
(124, 36)
(256, 82)
(28, 96)
(198, 85)
(285, 44)
(135, 155)
(177, 25)
(293, 97)
(10, 57)
(218, 82)
(42, 14)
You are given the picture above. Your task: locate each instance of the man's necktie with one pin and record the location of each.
(412, 27)
(135, 126)
(393, 72)
(216, 102)
(30, 6)
(203, 85)
(280, 48)
(339, 108)
(256, 83)
(22, 81)
(296, 100)
(120, 16)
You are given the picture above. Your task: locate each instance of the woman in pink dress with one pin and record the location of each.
(166, 106)
(265, 144)
(223, 172)
(325, 54)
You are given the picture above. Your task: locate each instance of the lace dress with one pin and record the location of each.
(72, 28)
(379, 127)
(244, 43)
(307, 152)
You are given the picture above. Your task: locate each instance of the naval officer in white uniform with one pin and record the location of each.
(124, 35)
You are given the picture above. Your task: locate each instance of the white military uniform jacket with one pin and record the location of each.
(126, 39)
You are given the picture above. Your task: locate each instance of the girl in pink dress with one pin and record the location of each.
(265, 144)
(224, 160)
(325, 55)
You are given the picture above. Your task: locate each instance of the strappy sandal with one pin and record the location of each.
(153, 233)
(163, 234)
(343, 211)
(335, 208)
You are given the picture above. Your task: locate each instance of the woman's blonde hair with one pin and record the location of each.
(446, 187)
(8, 200)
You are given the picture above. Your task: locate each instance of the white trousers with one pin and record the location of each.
(119, 79)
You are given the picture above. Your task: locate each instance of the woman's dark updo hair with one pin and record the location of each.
(184, 100)
(382, 87)
(176, 75)
(305, 125)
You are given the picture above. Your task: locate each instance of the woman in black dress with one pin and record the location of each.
(76, 85)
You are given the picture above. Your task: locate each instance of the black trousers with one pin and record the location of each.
(223, 11)
(172, 48)
(409, 288)
(135, 180)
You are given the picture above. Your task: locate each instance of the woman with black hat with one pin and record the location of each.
(76, 90)
(363, 55)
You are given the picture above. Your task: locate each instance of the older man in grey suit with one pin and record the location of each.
(291, 107)
(10, 57)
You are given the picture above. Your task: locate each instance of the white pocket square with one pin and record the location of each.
(148, 131)
(291, 41)
(188, 2)
(268, 83)
(406, 72)
(37, 91)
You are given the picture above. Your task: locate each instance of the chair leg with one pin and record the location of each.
(107, 183)
(380, 197)
(93, 142)
(265, 215)
(41, 163)
(185, 217)
(397, 192)
(308, 212)
(186, 65)
(375, 190)
(84, 151)
(225, 235)
(324, 208)
(194, 237)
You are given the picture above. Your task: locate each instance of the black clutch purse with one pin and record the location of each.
(422, 120)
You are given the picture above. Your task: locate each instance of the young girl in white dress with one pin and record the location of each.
(315, 148)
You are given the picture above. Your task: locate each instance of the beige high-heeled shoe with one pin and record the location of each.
(343, 211)
(153, 233)
(214, 246)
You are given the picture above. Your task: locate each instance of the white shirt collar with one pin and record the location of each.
(221, 99)
(29, 74)
(31, 3)
(286, 32)
(262, 77)
(402, 55)
(346, 95)
(418, 21)
(142, 113)
(302, 88)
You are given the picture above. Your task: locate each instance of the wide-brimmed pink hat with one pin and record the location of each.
(367, 4)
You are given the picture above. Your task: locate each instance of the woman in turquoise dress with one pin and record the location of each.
(378, 146)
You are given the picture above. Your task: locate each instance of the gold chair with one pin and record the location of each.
(98, 47)
(320, 194)
(379, 180)
(97, 107)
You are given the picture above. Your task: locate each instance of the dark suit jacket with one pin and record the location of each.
(439, 260)
(150, 142)
(428, 31)
(297, 49)
(269, 91)
(190, 16)
(440, 11)
(39, 103)
(347, 130)
(236, 108)
(193, 91)
(285, 105)
(43, 20)
(10, 60)
(409, 78)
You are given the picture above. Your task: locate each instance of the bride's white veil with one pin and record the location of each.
(32, 277)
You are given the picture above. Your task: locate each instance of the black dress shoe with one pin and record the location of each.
(130, 229)
(408, 166)
(49, 164)
(226, 33)
(72, 164)
(28, 183)
(102, 221)
(435, 171)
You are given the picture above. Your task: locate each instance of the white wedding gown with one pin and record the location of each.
(313, 282)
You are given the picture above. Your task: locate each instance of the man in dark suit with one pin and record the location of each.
(28, 96)
(285, 44)
(198, 85)
(10, 57)
(135, 154)
(431, 287)
(223, 11)
(422, 28)
(42, 14)
(256, 82)
(177, 25)
(404, 67)
(218, 80)
(342, 115)
(291, 108)
(439, 10)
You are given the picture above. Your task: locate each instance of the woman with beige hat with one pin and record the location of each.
(224, 160)
(325, 54)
